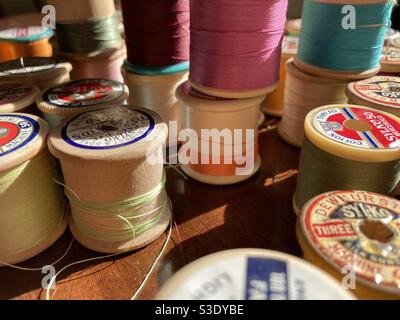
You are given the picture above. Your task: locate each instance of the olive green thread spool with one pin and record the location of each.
(348, 147)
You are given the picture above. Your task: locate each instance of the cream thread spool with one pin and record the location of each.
(273, 103)
(222, 114)
(59, 102)
(104, 156)
(251, 274)
(157, 92)
(78, 10)
(31, 204)
(390, 61)
(348, 147)
(293, 27)
(379, 92)
(18, 97)
(392, 35)
(42, 72)
(356, 231)
(304, 92)
(395, 42)
(30, 41)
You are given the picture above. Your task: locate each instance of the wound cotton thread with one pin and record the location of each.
(348, 147)
(304, 92)
(156, 32)
(331, 49)
(236, 46)
(31, 204)
(114, 177)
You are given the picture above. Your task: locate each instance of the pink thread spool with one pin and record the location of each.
(236, 46)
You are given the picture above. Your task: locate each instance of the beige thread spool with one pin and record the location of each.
(293, 27)
(251, 274)
(18, 97)
(355, 231)
(157, 92)
(23, 143)
(104, 158)
(80, 10)
(395, 42)
(353, 148)
(304, 92)
(390, 61)
(221, 114)
(273, 103)
(379, 92)
(59, 102)
(42, 72)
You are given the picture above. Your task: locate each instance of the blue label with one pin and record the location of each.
(267, 279)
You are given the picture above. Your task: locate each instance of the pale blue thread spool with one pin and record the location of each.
(327, 49)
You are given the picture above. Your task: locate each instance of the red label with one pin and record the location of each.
(334, 229)
(8, 132)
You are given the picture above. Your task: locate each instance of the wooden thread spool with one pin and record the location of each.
(31, 204)
(58, 102)
(25, 42)
(42, 72)
(395, 42)
(390, 61)
(304, 92)
(273, 103)
(379, 92)
(106, 65)
(69, 11)
(348, 147)
(337, 72)
(157, 92)
(356, 231)
(293, 27)
(251, 274)
(104, 156)
(221, 114)
(18, 97)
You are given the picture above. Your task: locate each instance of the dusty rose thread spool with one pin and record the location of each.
(114, 177)
(221, 146)
(226, 59)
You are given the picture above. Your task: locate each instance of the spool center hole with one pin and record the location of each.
(106, 127)
(357, 125)
(376, 230)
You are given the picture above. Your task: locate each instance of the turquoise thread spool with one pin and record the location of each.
(327, 49)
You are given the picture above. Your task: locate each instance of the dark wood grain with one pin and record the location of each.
(253, 214)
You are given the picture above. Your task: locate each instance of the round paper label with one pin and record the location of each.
(290, 45)
(84, 93)
(254, 277)
(359, 230)
(381, 131)
(15, 132)
(395, 42)
(393, 34)
(26, 33)
(12, 92)
(27, 65)
(380, 90)
(108, 128)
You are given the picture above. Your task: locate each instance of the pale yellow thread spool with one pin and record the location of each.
(18, 97)
(251, 274)
(31, 204)
(110, 157)
(293, 27)
(71, 98)
(304, 92)
(42, 72)
(354, 233)
(348, 147)
(379, 92)
(273, 103)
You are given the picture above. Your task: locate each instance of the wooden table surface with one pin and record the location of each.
(254, 214)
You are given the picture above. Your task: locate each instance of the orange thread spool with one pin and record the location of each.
(25, 42)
